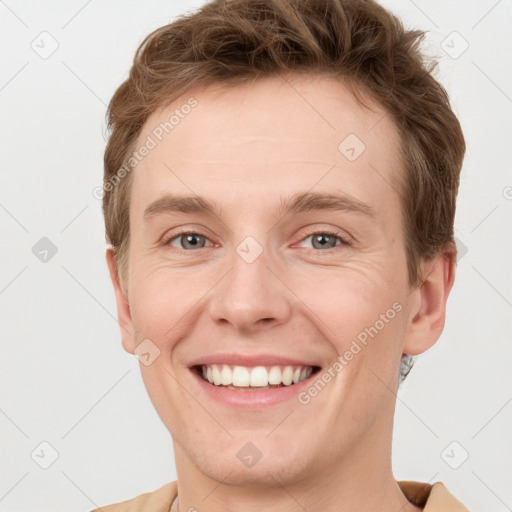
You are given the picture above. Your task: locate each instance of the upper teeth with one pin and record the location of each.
(258, 376)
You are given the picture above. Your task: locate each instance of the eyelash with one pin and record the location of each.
(344, 241)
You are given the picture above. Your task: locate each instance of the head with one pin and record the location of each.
(253, 116)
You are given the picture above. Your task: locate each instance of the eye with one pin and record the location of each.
(191, 240)
(326, 239)
(187, 240)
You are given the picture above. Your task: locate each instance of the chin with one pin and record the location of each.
(256, 463)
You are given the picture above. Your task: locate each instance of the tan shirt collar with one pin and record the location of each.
(433, 498)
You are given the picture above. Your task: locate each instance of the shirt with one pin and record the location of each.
(432, 497)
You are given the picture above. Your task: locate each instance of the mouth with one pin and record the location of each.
(253, 378)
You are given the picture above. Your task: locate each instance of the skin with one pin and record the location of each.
(243, 147)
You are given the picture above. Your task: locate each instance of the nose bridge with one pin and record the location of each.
(250, 292)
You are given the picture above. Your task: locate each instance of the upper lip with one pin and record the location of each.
(250, 360)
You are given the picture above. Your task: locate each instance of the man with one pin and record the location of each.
(280, 186)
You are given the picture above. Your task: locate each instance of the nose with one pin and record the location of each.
(251, 297)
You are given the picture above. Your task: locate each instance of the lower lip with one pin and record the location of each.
(252, 398)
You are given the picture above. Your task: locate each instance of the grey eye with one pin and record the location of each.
(188, 241)
(323, 240)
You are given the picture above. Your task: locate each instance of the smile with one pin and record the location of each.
(244, 378)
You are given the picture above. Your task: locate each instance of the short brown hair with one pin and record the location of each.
(358, 41)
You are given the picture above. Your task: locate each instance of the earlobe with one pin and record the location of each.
(427, 321)
(123, 306)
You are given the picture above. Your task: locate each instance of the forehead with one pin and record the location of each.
(265, 137)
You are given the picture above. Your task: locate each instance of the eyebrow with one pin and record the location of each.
(300, 202)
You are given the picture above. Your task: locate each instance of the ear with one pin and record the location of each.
(123, 307)
(428, 315)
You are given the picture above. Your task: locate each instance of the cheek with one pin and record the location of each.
(163, 301)
(348, 299)
(365, 327)
(361, 316)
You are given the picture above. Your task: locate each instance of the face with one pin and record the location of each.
(292, 268)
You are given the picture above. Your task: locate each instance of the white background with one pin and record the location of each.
(65, 378)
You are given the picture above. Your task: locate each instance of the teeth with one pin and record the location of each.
(287, 375)
(217, 379)
(258, 376)
(240, 377)
(274, 375)
(226, 375)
